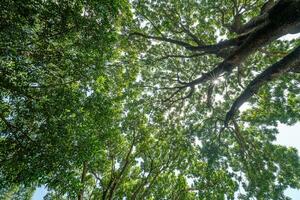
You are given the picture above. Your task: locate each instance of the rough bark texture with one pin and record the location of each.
(291, 61)
(289, 18)
(275, 20)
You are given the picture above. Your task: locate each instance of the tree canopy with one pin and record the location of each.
(156, 99)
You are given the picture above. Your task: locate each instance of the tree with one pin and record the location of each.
(205, 59)
(52, 74)
(271, 23)
(140, 100)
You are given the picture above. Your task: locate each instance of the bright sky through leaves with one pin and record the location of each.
(149, 99)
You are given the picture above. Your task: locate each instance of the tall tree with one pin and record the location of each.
(204, 59)
(141, 99)
(52, 74)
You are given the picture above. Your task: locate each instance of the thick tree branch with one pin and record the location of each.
(259, 38)
(267, 6)
(255, 22)
(272, 72)
(279, 20)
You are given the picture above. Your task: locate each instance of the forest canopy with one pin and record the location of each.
(148, 99)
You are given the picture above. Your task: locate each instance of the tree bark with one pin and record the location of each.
(279, 24)
(291, 61)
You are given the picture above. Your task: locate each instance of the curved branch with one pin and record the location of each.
(289, 62)
(259, 38)
(255, 22)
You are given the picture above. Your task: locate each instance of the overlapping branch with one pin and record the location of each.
(284, 65)
(274, 21)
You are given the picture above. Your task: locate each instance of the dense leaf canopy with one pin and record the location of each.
(156, 99)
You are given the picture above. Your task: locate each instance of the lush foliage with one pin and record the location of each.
(112, 99)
